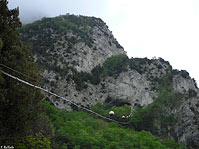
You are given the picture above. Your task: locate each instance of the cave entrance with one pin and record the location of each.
(116, 102)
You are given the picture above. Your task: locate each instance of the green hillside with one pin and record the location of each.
(81, 130)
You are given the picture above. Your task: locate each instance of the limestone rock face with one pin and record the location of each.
(132, 87)
(129, 87)
(187, 128)
(188, 112)
(183, 85)
(85, 58)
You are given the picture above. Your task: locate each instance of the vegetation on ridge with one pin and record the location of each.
(51, 30)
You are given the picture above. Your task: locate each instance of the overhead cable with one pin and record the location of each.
(25, 75)
(45, 90)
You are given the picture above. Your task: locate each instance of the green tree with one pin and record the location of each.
(19, 104)
(37, 142)
(115, 64)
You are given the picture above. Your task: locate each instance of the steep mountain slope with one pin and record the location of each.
(83, 62)
(75, 41)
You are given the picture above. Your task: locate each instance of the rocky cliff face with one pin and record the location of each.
(69, 47)
(187, 128)
(129, 87)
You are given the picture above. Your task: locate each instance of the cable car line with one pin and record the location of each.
(19, 72)
(48, 91)
(128, 116)
(45, 90)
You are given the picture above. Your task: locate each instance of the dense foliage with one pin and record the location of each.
(115, 64)
(80, 130)
(137, 63)
(19, 104)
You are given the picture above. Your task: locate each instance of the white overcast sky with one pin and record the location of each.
(145, 28)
